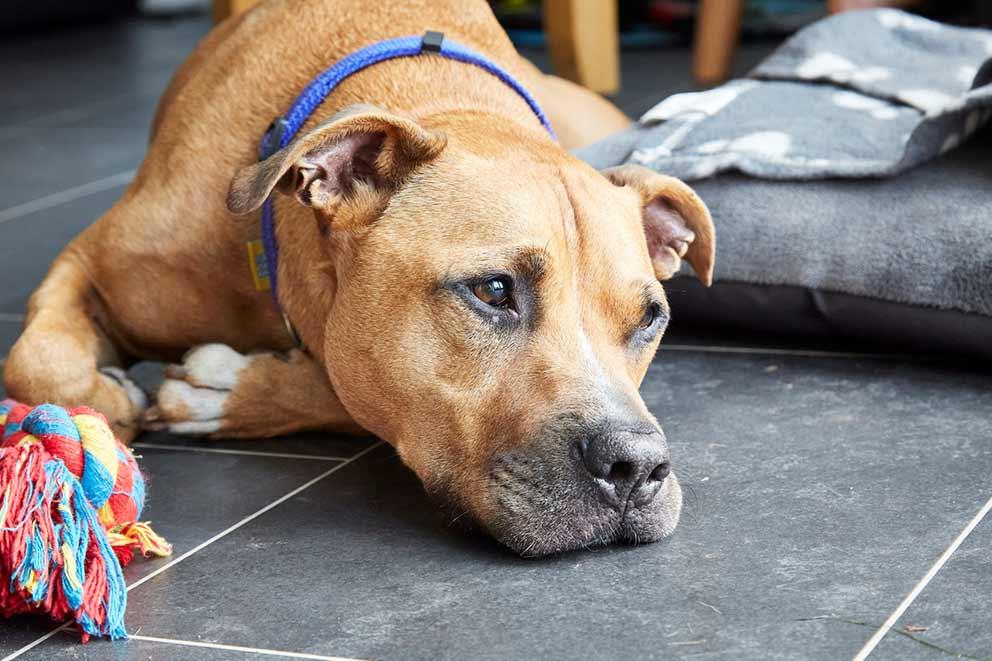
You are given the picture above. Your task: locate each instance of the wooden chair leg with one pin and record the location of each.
(584, 41)
(718, 27)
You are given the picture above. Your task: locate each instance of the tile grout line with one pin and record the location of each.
(877, 637)
(249, 453)
(251, 517)
(218, 536)
(65, 115)
(770, 351)
(38, 641)
(239, 648)
(11, 317)
(67, 195)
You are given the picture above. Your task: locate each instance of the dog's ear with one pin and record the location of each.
(677, 223)
(362, 148)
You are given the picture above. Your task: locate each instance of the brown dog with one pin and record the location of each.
(463, 287)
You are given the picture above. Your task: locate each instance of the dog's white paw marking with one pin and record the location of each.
(189, 409)
(118, 376)
(213, 366)
(192, 398)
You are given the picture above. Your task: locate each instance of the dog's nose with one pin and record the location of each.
(627, 466)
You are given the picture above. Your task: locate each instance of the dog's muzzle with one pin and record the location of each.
(629, 467)
(611, 482)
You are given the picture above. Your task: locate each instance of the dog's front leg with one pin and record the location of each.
(64, 355)
(220, 393)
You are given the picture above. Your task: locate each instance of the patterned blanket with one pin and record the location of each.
(859, 94)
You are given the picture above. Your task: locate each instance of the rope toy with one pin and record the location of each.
(72, 495)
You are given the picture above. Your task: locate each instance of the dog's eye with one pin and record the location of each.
(494, 292)
(651, 316)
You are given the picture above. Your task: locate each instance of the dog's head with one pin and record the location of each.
(489, 305)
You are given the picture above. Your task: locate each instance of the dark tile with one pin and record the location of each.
(51, 160)
(68, 647)
(16, 632)
(804, 481)
(192, 497)
(129, 110)
(9, 332)
(29, 244)
(905, 648)
(79, 102)
(954, 607)
(49, 73)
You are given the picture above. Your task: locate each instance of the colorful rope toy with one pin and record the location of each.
(72, 495)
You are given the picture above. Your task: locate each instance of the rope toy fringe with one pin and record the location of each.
(72, 495)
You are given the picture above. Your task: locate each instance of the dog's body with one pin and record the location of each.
(449, 166)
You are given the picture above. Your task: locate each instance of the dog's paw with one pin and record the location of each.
(119, 377)
(126, 423)
(191, 400)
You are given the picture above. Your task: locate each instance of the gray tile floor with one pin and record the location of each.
(823, 486)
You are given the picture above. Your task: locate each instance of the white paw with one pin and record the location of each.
(118, 376)
(210, 366)
(191, 400)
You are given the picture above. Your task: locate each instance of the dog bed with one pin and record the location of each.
(815, 241)
(905, 261)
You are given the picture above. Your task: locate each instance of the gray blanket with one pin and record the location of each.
(923, 238)
(905, 261)
(863, 93)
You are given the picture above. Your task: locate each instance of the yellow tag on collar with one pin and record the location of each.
(259, 267)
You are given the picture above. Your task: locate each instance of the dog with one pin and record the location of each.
(459, 284)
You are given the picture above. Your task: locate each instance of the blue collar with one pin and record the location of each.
(282, 131)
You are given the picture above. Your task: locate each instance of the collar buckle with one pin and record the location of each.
(272, 139)
(432, 42)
